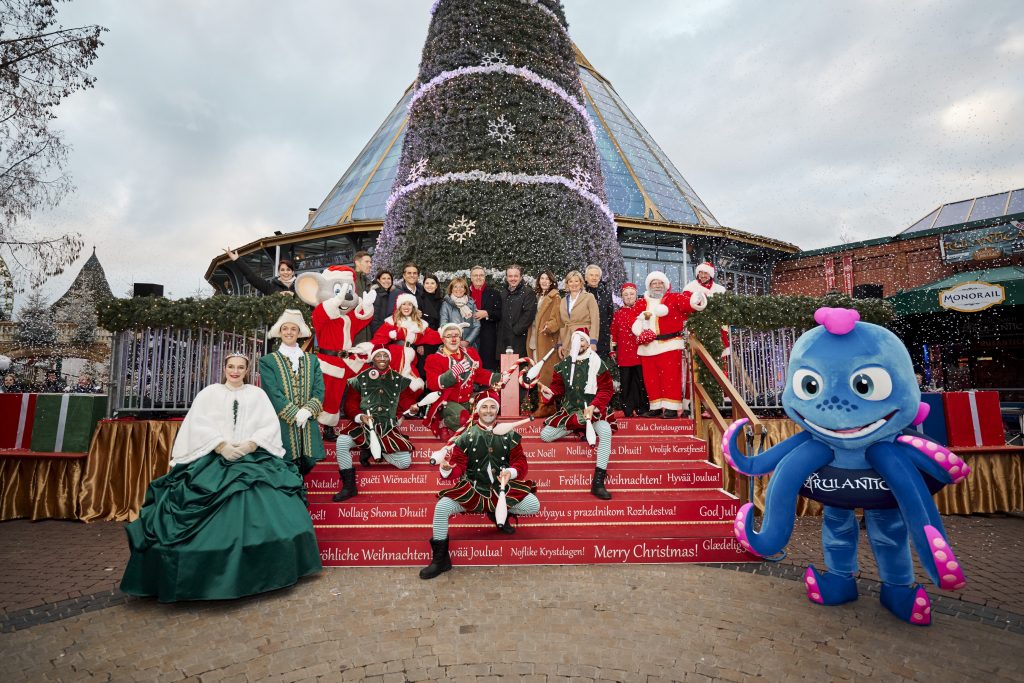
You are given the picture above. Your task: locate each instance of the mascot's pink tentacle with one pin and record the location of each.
(951, 574)
(937, 460)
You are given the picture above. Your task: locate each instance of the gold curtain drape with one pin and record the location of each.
(996, 483)
(44, 487)
(123, 458)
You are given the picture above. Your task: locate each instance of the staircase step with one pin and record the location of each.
(556, 508)
(495, 549)
(627, 448)
(549, 477)
(632, 426)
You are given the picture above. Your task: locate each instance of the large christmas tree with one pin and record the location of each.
(499, 162)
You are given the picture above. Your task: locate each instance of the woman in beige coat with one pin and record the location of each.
(546, 326)
(578, 309)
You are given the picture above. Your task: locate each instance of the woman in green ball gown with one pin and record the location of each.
(228, 520)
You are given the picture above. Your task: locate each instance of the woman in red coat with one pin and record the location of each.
(624, 346)
(402, 332)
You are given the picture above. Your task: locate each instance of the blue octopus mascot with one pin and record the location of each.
(851, 387)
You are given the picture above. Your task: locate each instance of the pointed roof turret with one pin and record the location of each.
(90, 285)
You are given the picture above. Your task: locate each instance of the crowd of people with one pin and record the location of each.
(412, 349)
(642, 335)
(51, 384)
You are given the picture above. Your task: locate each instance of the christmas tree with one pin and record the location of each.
(36, 329)
(499, 162)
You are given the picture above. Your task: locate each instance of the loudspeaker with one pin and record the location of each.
(147, 289)
(867, 292)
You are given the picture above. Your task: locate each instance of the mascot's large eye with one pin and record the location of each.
(807, 384)
(873, 384)
(337, 288)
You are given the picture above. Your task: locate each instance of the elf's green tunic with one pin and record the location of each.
(289, 392)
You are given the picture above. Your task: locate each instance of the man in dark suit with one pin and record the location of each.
(410, 284)
(518, 309)
(488, 312)
(605, 306)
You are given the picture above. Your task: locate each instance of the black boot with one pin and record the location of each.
(348, 486)
(507, 527)
(440, 562)
(364, 457)
(669, 414)
(597, 484)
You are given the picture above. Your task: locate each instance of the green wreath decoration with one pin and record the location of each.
(220, 313)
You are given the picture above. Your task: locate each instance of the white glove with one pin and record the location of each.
(698, 301)
(369, 297)
(416, 384)
(302, 417)
(393, 335)
(231, 452)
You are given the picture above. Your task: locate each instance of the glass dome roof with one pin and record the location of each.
(640, 180)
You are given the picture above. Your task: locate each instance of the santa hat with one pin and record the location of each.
(340, 273)
(405, 298)
(380, 349)
(625, 286)
(706, 268)
(290, 315)
(452, 326)
(486, 397)
(657, 275)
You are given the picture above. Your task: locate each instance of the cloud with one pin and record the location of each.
(216, 123)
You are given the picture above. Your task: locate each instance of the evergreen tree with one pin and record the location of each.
(36, 328)
(499, 162)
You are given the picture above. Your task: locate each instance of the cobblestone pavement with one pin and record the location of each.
(625, 623)
(677, 622)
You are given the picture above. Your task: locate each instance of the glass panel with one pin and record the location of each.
(951, 214)
(988, 207)
(1016, 202)
(924, 223)
(344, 192)
(375, 196)
(624, 198)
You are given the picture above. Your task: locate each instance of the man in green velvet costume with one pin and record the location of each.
(295, 385)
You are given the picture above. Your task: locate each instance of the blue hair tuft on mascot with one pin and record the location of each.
(851, 387)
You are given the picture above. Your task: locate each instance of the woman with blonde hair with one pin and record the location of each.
(577, 311)
(401, 333)
(459, 307)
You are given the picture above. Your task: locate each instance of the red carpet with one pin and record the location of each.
(666, 507)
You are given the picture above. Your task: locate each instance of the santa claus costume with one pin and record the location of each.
(401, 333)
(453, 371)
(658, 327)
(707, 286)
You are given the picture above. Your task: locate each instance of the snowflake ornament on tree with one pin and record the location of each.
(494, 58)
(461, 229)
(582, 178)
(418, 170)
(501, 129)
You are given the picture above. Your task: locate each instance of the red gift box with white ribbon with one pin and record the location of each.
(973, 419)
(17, 414)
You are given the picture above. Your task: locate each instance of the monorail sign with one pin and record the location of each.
(971, 297)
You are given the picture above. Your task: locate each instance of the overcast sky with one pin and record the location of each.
(214, 123)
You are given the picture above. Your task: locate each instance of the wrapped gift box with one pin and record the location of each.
(934, 426)
(973, 418)
(64, 423)
(17, 413)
